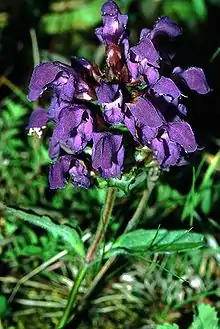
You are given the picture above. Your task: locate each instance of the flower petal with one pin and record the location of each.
(70, 118)
(79, 175)
(43, 75)
(181, 133)
(105, 150)
(166, 87)
(38, 118)
(165, 26)
(195, 79)
(106, 92)
(58, 172)
(151, 74)
(166, 151)
(145, 112)
(145, 50)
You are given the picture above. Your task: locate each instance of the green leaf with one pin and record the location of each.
(206, 185)
(68, 234)
(167, 326)
(3, 305)
(158, 241)
(200, 8)
(206, 318)
(31, 251)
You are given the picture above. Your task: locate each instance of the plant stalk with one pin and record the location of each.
(133, 222)
(103, 224)
(72, 296)
(100, 233)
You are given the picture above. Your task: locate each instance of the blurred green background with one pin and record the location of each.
(136, 293)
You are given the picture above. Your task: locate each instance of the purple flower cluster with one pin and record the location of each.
(138, 90)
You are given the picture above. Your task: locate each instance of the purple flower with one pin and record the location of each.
(58, 173)
(145, 54)
(173, 141)
(108, 154)
(65, 167)
(167, 88)
(73, 130)
(110, 98)
(114, 24)
(79, 174)
(37, 121)
(55, 75)
(133, 68)
(167, 153)
(138, 90)
(163, 27)
(194, 78)
(63, 80)
(143, 120)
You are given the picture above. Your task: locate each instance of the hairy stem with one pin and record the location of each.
(103, 224)
(100, 233)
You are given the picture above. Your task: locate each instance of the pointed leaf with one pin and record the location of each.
(158, 241)
(68, 234)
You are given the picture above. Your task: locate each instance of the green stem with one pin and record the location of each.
(133, 222)
(100, 233)
(15, 89)
(72, 296)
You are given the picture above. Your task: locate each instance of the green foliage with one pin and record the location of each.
(21, 157)
(190, 12)
(82, 18)
(202, 196)
(142, 241)
(206, 319)
(3, 306)
(68, 234)
(168, 326)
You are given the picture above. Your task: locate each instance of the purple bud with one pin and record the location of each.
(114, 24)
